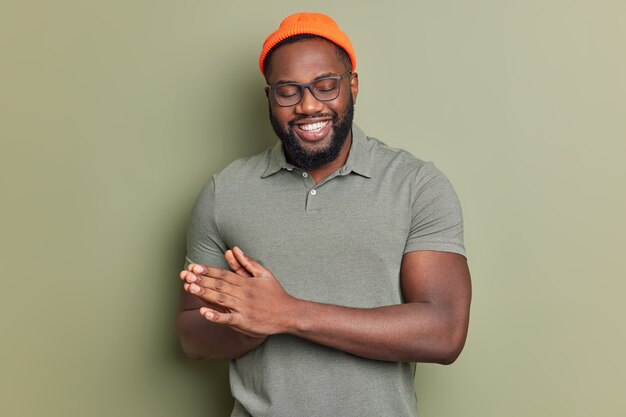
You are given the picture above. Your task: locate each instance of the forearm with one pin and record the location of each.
(431, 326)
(201, 339)
(411, 332)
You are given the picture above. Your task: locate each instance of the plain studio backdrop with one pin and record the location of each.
(114, 114)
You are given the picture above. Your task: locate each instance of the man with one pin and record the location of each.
(325, 267)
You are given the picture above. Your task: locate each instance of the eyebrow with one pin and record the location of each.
(324, 75)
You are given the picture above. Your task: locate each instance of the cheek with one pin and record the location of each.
(339, 108)
(282, 115)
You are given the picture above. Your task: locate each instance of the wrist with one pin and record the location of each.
(297, 317)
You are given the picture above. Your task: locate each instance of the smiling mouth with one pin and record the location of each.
(313, 132)
(313, 127)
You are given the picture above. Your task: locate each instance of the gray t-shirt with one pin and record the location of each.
(340, 241)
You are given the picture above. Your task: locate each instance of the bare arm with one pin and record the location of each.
(430, 326)
(202, 339)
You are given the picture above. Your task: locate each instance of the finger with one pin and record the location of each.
(204, 270)
(235, 265)
(229, 319)
(219, 317)
(197, 268)
(249, 264)
(213, 296)
(188, 277)
(228, 276)
(216, 285)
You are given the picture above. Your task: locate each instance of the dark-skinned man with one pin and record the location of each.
(324, 268)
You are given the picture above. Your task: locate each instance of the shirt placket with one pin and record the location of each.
(313, 201)
(310, 202)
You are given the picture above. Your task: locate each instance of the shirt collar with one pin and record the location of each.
(359, 156)
(277, 161)
(357, 162)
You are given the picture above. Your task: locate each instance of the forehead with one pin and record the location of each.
(305, 60)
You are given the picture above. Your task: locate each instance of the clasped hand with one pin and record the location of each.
(250, 298)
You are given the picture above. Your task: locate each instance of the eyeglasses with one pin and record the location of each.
(323, 89)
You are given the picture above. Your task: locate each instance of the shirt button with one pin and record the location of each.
(304, 174)
(313, 192)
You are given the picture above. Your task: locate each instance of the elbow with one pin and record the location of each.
(449, 356)
(189, 350)
(191, 354)
(444, 351)
(443, 346)
(453, 334)
(451, 347)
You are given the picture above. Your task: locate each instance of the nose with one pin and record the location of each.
(309, 104)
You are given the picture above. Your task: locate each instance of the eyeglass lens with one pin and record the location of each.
(324, 89)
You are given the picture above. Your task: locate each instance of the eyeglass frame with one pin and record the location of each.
(309, 86)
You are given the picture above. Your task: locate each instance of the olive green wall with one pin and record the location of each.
(114, 113)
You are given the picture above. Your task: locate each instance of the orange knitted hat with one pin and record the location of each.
(312, 24)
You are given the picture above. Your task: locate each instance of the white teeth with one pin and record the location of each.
(313, 126)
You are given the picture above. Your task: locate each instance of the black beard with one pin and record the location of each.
(312, 160)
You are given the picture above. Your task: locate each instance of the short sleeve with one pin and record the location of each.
(204, 244)
(436, 217)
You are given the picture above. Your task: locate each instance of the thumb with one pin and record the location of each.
(235, 265)
(249, 264)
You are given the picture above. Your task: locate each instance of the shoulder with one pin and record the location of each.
(402, 172)
(244, 169)
(234, 176)
(389, 161)
(436, 219)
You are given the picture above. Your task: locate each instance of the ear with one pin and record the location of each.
(354, 86)
(267, 92)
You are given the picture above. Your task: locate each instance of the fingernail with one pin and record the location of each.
(194, 288)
